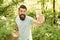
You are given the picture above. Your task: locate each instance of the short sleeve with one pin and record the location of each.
(31, 20)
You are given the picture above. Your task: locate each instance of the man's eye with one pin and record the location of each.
(21, 11)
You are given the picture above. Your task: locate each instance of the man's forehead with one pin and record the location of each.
(22, 9)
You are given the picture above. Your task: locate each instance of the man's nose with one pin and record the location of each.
(23, 13)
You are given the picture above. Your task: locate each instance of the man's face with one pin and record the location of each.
(22, 13)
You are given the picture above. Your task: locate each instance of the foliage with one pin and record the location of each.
(48, 31)
(7, 20)
(6, 28)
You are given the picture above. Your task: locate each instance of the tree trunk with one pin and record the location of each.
(43, 6)
(54, 11)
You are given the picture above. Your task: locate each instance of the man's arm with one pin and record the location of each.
(17, 28)
(40, 19)
(16, 32)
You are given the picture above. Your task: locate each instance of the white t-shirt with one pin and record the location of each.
(24, 28)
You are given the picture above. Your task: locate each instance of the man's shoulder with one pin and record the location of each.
(28, 17)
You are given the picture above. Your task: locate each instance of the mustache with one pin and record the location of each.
(22, 18)
(22, 14)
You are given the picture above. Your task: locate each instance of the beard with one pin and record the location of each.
(22, 17)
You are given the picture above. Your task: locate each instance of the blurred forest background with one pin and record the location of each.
(50, 30)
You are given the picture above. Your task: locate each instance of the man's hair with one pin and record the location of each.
(22, 6)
